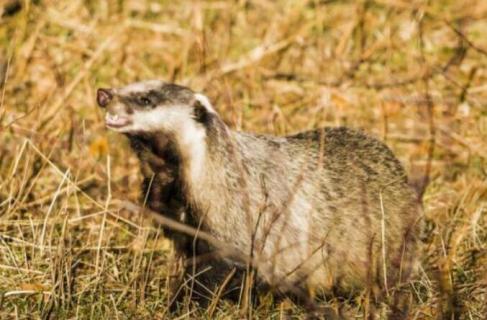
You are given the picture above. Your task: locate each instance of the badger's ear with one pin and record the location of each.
(203, 110)
(202, 100)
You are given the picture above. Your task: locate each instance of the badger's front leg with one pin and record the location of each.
(160, 195)
(193, 268)
(198, 273)
(178, 267)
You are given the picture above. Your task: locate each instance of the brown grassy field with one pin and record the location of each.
(412, 73)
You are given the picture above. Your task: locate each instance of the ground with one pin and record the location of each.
(412, 73)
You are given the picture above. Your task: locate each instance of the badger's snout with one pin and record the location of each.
(116, 116)
(116, 121)
(103, 97)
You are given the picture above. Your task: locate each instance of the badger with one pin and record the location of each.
(323, 211)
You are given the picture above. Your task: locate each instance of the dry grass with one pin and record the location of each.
(413, 73)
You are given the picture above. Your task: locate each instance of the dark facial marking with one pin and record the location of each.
(155, 98)
(144, 101)
(176, 94)
(167, 94)
(150, 99)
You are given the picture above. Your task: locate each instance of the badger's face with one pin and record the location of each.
(153, 106)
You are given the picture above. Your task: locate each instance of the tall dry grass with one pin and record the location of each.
(412, 73)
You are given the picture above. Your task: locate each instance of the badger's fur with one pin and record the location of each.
(326, 211)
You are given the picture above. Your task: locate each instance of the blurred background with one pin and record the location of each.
(412, 73)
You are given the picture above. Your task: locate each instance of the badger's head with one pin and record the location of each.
(154, 106)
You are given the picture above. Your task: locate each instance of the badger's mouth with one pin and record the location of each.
(116, 121)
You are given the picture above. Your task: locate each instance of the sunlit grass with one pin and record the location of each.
(66, 248)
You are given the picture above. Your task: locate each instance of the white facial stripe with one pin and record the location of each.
(158, 119)
(142, 86)
(162, 119)
(193, 144)
(204, 101)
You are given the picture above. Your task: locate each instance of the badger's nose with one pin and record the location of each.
(103, 97)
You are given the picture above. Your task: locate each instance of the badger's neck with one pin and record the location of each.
(192, 145)
(201, 158)
(205, 153)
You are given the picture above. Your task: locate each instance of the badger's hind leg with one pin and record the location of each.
(402, 268)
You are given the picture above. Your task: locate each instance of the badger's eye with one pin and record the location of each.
(144, 101)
